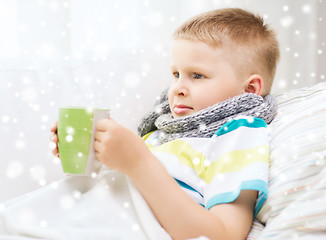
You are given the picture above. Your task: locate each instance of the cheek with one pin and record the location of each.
(211, 97)
(206, 100)
(170, 96)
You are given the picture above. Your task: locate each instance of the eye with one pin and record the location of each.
(197, 76)
(176, 75)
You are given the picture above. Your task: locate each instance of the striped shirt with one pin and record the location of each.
(215, 170)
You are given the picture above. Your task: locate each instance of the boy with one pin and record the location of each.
(204, 169)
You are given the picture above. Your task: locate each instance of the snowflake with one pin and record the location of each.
(54, 185)
(69, 138)
(38, 172)
(67, 202)
(43, 223)
(251, 119)
(262, 150)
(126, 204)
(155, 19)
(131, 79)
(5, 119)
(287, 21)
(285, 8)
(306, 8)
(19, 144)
(202, 127)
(135, 227)
(207, 163)
(14, 169)
(77, 194)
(196, 160)
(158, 109)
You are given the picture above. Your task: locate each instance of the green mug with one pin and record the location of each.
(76, 128)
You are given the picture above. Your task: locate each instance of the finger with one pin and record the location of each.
(98, 152)
(99, 136)
(55, 152)
(54, 144)
(103, 124)
(54, 127)
(54, 138)
(97, 146)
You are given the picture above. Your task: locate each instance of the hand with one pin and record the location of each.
(54, 138)
(119, 148)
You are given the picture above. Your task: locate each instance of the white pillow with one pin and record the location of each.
(296, 206)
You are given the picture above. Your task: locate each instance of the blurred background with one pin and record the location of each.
(114, 54)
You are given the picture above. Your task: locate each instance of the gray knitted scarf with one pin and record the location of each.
(206, 122)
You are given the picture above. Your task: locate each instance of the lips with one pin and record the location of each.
(181, 109)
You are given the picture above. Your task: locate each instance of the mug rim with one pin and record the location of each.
(85, 108)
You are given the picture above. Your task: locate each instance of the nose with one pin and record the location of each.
(180, 87)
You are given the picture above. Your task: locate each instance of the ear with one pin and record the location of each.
(255, 84)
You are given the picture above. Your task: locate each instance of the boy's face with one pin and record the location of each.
(202, 77)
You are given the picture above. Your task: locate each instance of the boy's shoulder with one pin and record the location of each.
(152, 138)
(239, 122)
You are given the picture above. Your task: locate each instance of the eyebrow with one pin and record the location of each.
(193, 68)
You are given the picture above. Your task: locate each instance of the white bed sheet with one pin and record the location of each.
(83, 208)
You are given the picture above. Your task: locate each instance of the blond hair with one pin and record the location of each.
(252, 47)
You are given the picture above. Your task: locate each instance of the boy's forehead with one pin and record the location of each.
(197, 56)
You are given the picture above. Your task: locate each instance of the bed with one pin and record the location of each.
(296, 206)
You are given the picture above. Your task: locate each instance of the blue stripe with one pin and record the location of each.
(236, 123)
(185, 185)
(260, 201)
(228, 197)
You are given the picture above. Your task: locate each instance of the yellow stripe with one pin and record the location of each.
(230, 162)
(236, 160)
(146, 135)
(185, 153)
